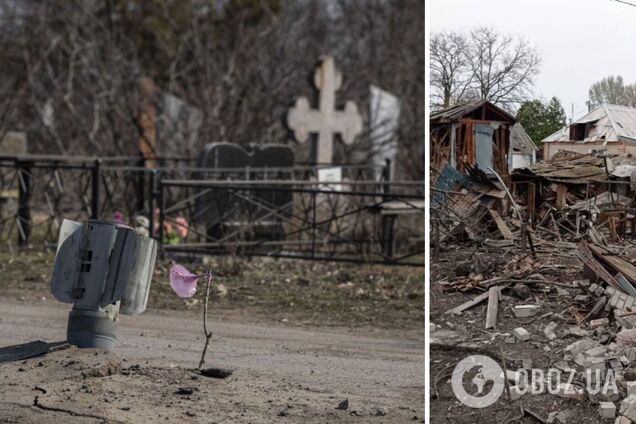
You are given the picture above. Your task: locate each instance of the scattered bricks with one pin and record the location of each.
(630, 354)
(526, 311)
(548, 331)
(622, 420)
(596, 323)
(599, 291)
(621, 304)
(629, 303)
(610, 291)
(592, 288)
(432, 327)
(613, 300)
(607, 409)
(626, 322)
(628, 407)
(582, 298)
(579, 346)
(521, 334)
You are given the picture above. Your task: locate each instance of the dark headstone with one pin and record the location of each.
(224, 210)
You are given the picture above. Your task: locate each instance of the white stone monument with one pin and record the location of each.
(384, 118)
(326, 120)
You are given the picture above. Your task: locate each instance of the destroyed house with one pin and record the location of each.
(472, 136)
(610, 129)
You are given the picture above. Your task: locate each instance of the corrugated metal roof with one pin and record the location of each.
(520, 139)
(608, 123)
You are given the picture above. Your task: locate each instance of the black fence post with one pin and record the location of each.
(161, 214)
(151, 203)
(24, 196)
(388, 236)
(386, 174)
(141, 182)
(95, 189)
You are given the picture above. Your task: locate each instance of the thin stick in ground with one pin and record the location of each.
(208, 335)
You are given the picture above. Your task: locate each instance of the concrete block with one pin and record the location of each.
(548, 331)
(515, 392)
(579, 346)
(607, 409)
(521, 334)
(581, 283)
(582, 298)
(622, 420)
(525, 311)
(630, 386)
(578, 331)
(601, 322)
(628, 407)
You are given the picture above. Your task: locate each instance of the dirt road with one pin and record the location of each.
(282, 373)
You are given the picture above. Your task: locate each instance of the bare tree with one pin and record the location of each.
(73, 68)
(450, 71)
(484, 64)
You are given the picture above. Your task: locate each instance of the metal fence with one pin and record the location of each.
(279, 212)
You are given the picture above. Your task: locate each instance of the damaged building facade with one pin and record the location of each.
(610, 129)
(479, 136)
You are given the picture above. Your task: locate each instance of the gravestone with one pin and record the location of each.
(384, 117)
(326, 121)
(170, 126)
(221, 210)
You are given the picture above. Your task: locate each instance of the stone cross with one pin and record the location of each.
(326, 120)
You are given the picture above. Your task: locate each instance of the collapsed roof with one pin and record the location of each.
(604, 123)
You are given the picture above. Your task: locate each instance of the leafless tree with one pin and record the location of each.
(483, 64)
(450, 70)
(73, 68)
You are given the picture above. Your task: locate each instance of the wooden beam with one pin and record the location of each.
(586, 255)
(467, 305)
(501, 225)
(493, 306)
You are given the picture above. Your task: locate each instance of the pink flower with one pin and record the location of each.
(182, 227)
(119, 218)
(182, 281)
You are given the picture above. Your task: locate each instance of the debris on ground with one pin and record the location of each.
(539, 270)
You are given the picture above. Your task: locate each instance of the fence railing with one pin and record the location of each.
(280, 212)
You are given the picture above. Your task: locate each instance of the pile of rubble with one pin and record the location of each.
(575, 197)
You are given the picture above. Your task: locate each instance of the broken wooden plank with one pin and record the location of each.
(588, 259)
(617, 263)
(501, 225)
(467, 305)
(493, 306)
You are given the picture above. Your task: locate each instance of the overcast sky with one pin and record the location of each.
(580, 42)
